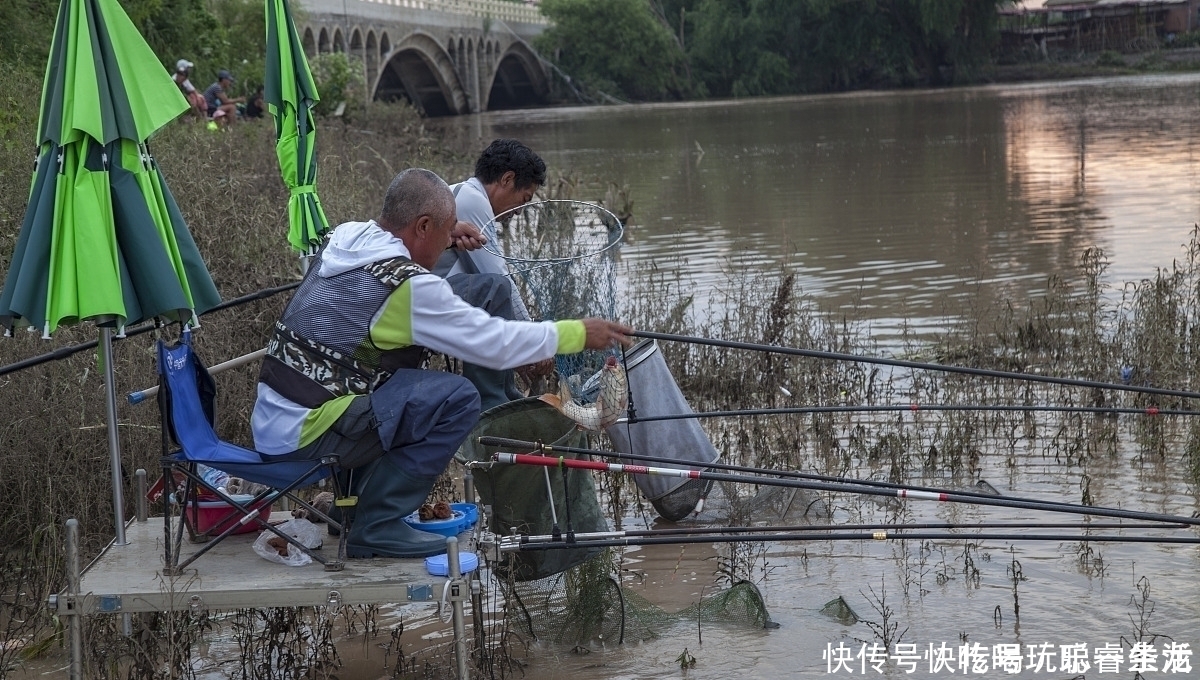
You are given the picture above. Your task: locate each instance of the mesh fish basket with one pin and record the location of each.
(521, 497)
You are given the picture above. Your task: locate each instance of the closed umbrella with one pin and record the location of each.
(103, 239)
(290, 94)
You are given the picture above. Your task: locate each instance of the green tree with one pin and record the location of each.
(946, 36)
(26, 27)
(617, 46)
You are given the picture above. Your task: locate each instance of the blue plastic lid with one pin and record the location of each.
(439, 565)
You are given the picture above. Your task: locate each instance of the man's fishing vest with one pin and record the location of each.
(339, 310)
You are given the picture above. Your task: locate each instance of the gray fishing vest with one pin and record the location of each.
(338, 310)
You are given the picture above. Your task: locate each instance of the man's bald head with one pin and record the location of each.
(413, 193)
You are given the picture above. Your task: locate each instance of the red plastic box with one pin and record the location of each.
(215, 516)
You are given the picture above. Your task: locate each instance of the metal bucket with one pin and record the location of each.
(654, 392)
(518, 494)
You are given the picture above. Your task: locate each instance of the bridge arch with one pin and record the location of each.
(422, 72)
(518, 79)
(310, 44)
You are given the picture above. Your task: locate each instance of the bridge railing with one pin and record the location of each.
(497, 9)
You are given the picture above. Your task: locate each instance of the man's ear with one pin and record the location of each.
(422, 226)
(509, 178)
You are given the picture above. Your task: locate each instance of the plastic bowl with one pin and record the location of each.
(468, 510)
(453, 526)
(439, 565)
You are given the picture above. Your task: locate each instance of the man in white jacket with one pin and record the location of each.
(344, 372)
(507, 174)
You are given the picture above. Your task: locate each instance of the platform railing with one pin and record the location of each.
(522, 12)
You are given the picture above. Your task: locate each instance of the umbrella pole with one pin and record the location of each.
(114, 440)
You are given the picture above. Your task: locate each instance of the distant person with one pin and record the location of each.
(507, 174)
(254, 105)
(221, 107)
(183, 70)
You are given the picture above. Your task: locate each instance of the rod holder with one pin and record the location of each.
(142, 511)
(457, 586)
(74, 622)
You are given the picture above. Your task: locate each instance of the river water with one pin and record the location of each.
(906, 206)
(905, 210)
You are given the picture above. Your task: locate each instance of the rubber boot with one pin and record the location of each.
(386, 496)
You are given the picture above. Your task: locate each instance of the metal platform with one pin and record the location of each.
(130, 578)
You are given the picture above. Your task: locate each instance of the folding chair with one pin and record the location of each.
(185, 399)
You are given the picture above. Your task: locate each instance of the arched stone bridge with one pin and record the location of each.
(446, 57)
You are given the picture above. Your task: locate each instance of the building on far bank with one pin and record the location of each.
(1096, 25)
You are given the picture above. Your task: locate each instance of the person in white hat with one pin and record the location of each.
(183, 69)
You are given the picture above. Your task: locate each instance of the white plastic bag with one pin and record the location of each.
(304, 531)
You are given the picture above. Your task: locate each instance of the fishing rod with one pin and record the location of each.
(813, 528)
(903, 363)
(504, 442)
(1097, 410)
(65, 352)
(508, 544)
(941, 497)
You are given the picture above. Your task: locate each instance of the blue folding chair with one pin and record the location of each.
(185, 398)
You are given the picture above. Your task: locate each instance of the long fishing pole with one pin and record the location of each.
(65, 352)
(504, 442)
(889, 408)
(942, 497)
(814, 528)
(903, 363)
(507, 544)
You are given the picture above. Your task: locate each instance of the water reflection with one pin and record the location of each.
(914, 205)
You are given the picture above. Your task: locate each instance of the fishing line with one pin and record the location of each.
(902, 363)
(904, 493)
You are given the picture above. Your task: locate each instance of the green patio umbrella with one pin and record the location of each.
(290, 94)
(102, 238)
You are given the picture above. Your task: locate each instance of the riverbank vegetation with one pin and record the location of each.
(652, 50)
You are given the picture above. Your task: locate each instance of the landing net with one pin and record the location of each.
(561, 255)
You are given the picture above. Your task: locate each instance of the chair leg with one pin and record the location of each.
(344, 503)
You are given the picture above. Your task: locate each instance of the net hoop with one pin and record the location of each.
(616, 234)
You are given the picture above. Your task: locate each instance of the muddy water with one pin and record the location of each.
(910, 209)
(903, 206)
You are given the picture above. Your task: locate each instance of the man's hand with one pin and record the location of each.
(466, 236)
(602, 333)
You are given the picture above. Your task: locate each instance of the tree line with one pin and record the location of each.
(653, 50)
(643, 50)
(213, 34)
